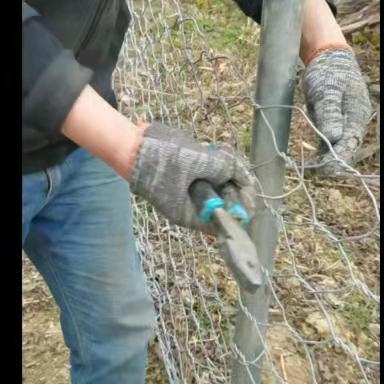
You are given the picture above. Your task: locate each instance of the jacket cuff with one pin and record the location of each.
(253, 8)
(28, 12)
(54, 94)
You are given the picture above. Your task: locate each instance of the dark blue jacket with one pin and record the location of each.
(68, 44)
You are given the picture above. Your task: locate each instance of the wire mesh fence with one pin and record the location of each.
(323, 324)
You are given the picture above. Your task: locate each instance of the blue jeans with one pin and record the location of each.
(77, 230)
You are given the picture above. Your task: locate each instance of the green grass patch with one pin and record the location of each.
(360, 312)
(226, 26)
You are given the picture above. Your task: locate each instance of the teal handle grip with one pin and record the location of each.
(205, 199)
(238, 212)
(209, 207)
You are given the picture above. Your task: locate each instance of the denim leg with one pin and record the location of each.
(83, 245)
(35, 194)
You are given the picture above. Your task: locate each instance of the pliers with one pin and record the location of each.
(229, 217)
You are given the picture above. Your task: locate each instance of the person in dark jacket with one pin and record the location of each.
(81, 158)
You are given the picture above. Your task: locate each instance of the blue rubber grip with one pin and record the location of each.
(208, 208)
(239, 212)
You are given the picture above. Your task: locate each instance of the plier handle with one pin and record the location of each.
(229, 217)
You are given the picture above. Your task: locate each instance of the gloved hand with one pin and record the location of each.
(169, 161)
(338, 104)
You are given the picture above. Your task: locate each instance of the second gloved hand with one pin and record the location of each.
(169, 161)
(338, 104)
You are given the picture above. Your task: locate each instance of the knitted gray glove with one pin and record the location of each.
(339, 106)
(169, 161)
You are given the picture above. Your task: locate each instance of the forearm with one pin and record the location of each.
(96, 126)
(320, 28)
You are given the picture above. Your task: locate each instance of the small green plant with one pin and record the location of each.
(359, 312)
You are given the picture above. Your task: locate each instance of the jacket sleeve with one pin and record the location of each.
(252, 8)
(52, 78)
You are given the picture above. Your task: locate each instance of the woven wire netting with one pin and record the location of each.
(323, 322)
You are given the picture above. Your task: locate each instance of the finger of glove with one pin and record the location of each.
(231, 168)
(345, 149)
(325, 81)
(226, 148)
(185, 214)
(198, 162)
(242, 175)
(248, 197)
(356, 119)
(328, 115)
(357, 106)
(191, 219)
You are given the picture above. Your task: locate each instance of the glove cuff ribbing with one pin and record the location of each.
(327, 47)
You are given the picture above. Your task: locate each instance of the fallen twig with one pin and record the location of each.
(374, 19)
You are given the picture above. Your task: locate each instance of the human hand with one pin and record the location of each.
(339, 106)
(169, 161)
